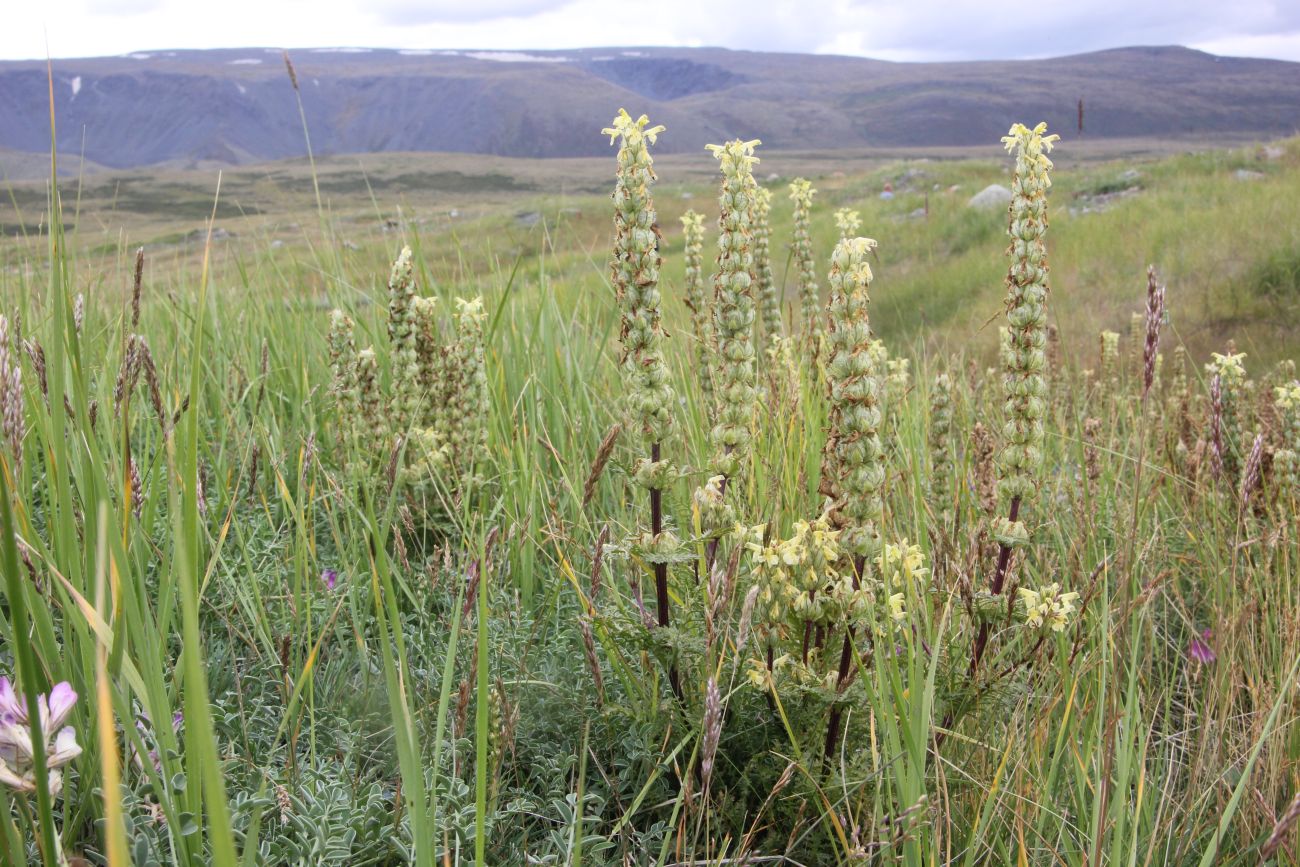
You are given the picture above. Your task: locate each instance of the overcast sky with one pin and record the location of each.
(888, 29)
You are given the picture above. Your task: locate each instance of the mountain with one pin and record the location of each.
(238, 105)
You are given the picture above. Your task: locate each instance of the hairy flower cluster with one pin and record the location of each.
(403, 339)
(696, 302)
(1109, 358)
(467, 398)
(848, 222)
(436, 404)
(807, 578)
(941, 464)
(898, 378)
(801, 193)
(1027, 290)
(1048, 605)
(853, 464)
(1286, 460)
(733, 309)
(901, 568)
(371, 431)
(769, 303)
(714, 514)
(634, 267)
(17, 754)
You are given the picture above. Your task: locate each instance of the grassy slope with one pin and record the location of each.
(1172, 740)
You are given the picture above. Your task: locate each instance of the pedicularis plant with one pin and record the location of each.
(648, 394)
(734, 311)
(801, 193)
(697, 303)
(430, 429)
(769, 299)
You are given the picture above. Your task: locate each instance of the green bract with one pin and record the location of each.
(853, 464)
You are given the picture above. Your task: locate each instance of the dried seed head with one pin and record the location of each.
(593, 662)
(12, 417)
(1154, 319)
(711, 731)
(1251, 472)
(135, 288)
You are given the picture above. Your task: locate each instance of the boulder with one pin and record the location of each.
(991, 197)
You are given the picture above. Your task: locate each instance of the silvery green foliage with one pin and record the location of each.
(853, 464)
(634, 267)
(801, 193)
(701, 318)
(768, 301)
(733, 309)
(1022, 457)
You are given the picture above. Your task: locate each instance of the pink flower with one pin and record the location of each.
(1199, 648)
(17, 753)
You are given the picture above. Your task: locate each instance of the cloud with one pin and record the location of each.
(918, 30)
(419, 12)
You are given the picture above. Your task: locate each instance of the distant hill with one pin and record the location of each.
(237, 105)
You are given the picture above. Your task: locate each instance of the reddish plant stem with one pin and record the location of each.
(999, 578)
(846, 660)
(661, 572)
(657, 527)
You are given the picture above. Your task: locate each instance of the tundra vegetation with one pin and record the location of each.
(688, 562)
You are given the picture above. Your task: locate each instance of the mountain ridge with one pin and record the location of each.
(237, 105)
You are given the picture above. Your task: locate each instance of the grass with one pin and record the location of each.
(436, 705)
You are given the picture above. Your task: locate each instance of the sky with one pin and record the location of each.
(906, 30)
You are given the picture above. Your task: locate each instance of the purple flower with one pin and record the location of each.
(16, 750)
(1200, 650)
(330, 577)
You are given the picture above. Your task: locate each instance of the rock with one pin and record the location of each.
(1130, 175)
(1273, 152)
(453, 213)
(918, 214)
(1247, 175)
(528, 218)
(277, 244)
(687, 196)
(991, 197)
